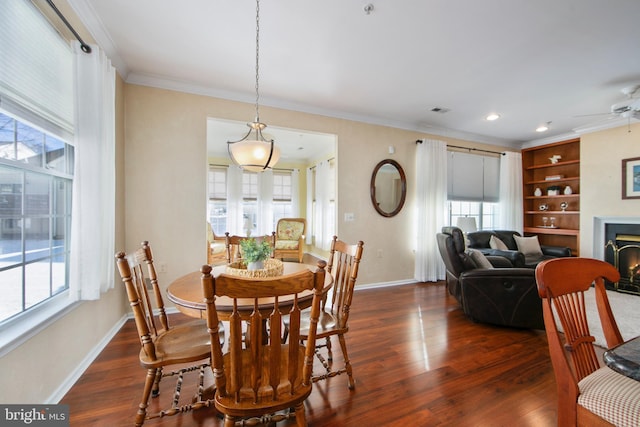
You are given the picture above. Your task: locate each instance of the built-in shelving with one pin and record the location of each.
(539, 171)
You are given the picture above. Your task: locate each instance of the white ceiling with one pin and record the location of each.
(530, 61)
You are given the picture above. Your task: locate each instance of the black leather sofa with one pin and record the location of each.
(480, 240)
(501, 295)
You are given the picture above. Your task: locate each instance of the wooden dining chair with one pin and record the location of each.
(232, 243)
(256, 383)
(344, 261)
(161, 344)
(588, 394)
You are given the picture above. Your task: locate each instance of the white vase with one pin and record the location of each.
(537, 192)
(255, 265)
(568, 190)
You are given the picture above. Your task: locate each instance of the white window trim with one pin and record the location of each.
(16, 331)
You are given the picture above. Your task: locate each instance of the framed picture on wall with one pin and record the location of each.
(631, 178)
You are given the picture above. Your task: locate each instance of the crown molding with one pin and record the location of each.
(93, 23)
(162, 82)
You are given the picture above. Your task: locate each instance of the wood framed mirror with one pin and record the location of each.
(388, 188)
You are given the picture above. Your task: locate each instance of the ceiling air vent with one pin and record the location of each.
(440, 110)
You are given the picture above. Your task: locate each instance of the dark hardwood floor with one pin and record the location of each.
(417, 362)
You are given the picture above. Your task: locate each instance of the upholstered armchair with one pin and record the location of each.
(216, 247)
(290, 238)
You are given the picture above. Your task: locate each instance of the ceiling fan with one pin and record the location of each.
(628, 109)
(631, 107)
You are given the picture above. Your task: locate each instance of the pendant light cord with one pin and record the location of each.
(257, 57)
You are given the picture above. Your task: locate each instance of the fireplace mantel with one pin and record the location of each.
(599, 223)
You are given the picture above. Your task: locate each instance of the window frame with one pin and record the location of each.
(485, 214)
(30, 320)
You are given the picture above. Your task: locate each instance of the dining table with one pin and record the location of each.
(187, 295)
(625, 358)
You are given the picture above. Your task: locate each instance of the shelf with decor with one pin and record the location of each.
(551, 189)
(550, 181)
(560, 196)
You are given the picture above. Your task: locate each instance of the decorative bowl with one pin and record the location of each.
(272, 268)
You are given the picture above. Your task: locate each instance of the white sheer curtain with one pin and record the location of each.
(431, 201)
(235, 224)
(295, 193)
(323, 221)
(265, 203)
(310, 213)
(510, 207)
(93, 209)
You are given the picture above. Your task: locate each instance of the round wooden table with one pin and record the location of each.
(186, 293)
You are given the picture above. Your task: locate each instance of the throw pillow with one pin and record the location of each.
(479, 259)
(496, 243)
(528, 245)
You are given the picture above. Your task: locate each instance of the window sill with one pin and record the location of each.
(26, 325)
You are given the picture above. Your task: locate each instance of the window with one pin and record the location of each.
(36, 162)
(217, 202)
(35, 215)
(282, 196)
(485, 213)
(472, 188)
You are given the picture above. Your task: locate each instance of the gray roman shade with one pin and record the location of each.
(36, 76)
(472, 177)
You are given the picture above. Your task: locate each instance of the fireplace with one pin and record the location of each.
(622, 250)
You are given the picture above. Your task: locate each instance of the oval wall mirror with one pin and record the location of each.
(388, 187)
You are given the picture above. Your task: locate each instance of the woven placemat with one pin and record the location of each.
(272, 268)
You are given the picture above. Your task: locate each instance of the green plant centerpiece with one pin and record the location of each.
(254, 253)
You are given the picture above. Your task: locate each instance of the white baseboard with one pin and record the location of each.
(385, 284)
(66, 385)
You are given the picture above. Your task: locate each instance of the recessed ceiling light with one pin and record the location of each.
(493, 116)
(543, 128)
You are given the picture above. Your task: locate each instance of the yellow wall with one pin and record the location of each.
(165, 166)
(601, 155)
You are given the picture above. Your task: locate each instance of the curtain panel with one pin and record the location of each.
(310, 213)
(510, 211)
(431, 211)
(295, 194)
(265, 202)
(235, 222)
(93, 209)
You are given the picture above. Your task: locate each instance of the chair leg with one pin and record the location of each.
(347, 363)
(155, 391)
(301, 419)
(329, 352)
(148, 385)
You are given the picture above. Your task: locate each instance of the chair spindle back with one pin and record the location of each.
(259, 369)
(343, 265)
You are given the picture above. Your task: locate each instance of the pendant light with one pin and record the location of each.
(254, 152)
